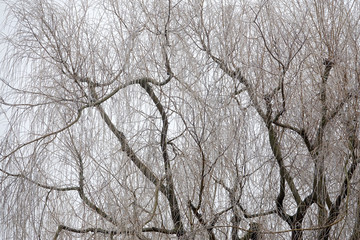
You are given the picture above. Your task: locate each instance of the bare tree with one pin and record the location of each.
(181, 119)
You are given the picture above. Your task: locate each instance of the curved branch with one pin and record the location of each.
(301, 132)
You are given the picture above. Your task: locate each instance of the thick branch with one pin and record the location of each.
(127, 149)
(202, 180)
(235, 75)
(170, 193)
(324, 120)
(275, 147)
(319, 185)
(254, 215)
(110, 232)
(301, 132)
(335, 207)
(201, 220)
(298, 217)
(280, 200)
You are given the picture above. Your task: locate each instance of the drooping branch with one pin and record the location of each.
(54, 133)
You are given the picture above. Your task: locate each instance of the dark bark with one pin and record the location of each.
(335, 207)
(170, 190)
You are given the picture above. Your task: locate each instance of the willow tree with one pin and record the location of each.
(188, 119)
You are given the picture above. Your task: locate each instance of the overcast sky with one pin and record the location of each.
(2, 13)
(2, 19)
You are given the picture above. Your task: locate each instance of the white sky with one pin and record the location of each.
(3, 121)
(2, 15)
(2, 9)
(2, 19)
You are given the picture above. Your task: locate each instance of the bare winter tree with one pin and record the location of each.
(180, 119)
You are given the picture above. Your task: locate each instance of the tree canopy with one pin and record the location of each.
(188, 119)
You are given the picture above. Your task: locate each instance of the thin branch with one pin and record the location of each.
(155, 205)
(82, 195)
(42, 214)
(265, 43)
(60, 189)
(46, 135)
